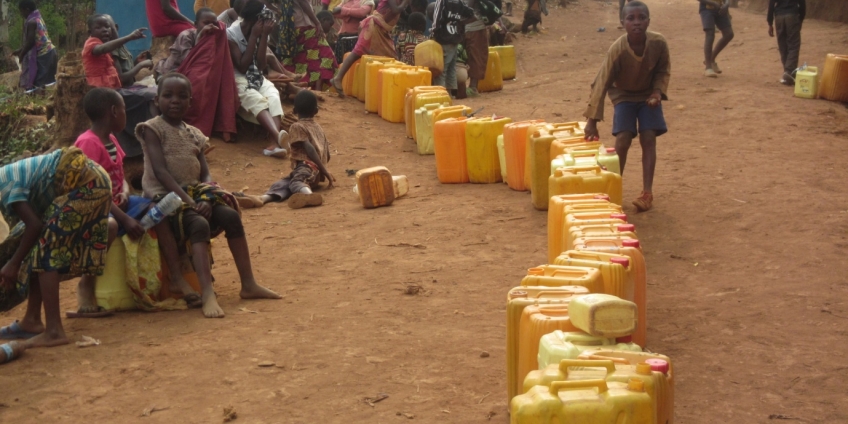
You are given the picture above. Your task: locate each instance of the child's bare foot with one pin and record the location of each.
(255, 291)
(180, 286)
(48, 339)
(86, 299)
(210, 306)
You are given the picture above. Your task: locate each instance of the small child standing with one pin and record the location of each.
(787, 16)
(449, 31)
(407, 40)
(99, 66)
(635, 72)
(174, 162)
(533, 15)
(327, 21)
(37, 55)
(310, 153)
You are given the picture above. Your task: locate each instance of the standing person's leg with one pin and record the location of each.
(624, 129)
(780, 30)
(86, 297)
(31, 322)
(197, 230)
(651, 125)
(47, 284)
(477, 46)
(793, 44)
(621, 12)
(708, 22)
(724, 25)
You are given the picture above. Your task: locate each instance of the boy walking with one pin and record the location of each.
(449, 31)
(714, 14)
(635, 72)
(787, 16)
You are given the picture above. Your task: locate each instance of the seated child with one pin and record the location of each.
(127, 67)
(174, 162)
(410, 38)
(205, 22)
(310, 153)
(105, 109)
(62, 201)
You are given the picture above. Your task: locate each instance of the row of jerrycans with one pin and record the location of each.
(466, 149)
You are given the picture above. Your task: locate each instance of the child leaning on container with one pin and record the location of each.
(174, 162)
(635, 73)
(105, 109)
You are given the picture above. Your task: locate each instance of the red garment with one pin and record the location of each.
(99, 70)
(352, 14)
(94, 149)
(214, 97)
(161, 25)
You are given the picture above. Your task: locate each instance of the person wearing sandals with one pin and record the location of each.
(714, 14)
(310, 153)
(258, 96)
(787, 16)
(635, 73)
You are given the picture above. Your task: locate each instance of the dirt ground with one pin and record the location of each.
(745, 249)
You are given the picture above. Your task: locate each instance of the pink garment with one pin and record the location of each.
(94, 149)
(99, 69)
(161, 25)
(352, 14)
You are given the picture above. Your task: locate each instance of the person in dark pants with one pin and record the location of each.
(714, 14)
(787, 16)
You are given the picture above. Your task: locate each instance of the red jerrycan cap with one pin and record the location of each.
(621, 216)
(624, 339)
(657, 364)
(601, 197)
(626, 227)
(630, 243)
(625, 262)
(610, 149)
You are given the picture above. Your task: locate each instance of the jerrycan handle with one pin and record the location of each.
(586, 168)
(584, 153)
(556, 386)
(581, 254)
(605, 358)
(567, 273)
(565, 364)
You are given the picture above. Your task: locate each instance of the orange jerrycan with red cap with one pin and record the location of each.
(449, 147)
(586, 179)
(556, 205)
(619, 277)
(557, 275)
(515, 152)
(536, 321)
(518, 299)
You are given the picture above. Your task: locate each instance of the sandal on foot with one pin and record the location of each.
(100, 313)
(338, 88)
(644, 202)
(9, 349)
(193, 300)
(301, 200)
(14, 331)
(246, 201)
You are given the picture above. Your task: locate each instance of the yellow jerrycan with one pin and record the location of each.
(598, 230)
(507, 56)
(539, 162)
(502, 158)
(807, 82)
(438, 98)
(564, 145)
(585, 179)
(519, 298)
(584, 402)
(373, 89)
(111, 289)
(430, 55)
(559, 345)
(424, 128)
(556, 275)
(395, 83)
(575, 158)
(833, 81)
(449, 148)
(360, 83)
(481, 149)
(609, 160)
(536, 321)
(409, 106)
(375, 187)
(493, 81)
(603, 315)
(380, 76)
(556, 206)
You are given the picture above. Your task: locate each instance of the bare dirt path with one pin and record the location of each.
(745, 249)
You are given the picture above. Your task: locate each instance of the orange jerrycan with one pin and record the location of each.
(584, 402)
(350, 77)
(519, 298)
(536, 321)
(395, 83)
(585, 179)
(589, 218)
(659, 384)
(559, 345)
(409, 106)
(556, 206)
(493, 81)
(598, 230)
(515, 152)
(833, 82)
(507, 56)
(360, 78)
(481, 149)
(557, 275)
(439, 98)
(430, 55)
(449, 147)
(426, 129)
(540, 162)
(564, 130)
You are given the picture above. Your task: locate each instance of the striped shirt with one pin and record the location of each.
(29, 180)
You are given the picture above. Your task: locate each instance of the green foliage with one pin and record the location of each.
(15, 135)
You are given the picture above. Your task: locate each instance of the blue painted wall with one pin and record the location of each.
(131, 14)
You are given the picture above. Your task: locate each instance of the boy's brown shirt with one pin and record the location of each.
(306, 129)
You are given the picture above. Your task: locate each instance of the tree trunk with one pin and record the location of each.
(71, 87)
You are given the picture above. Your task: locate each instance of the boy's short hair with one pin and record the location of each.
(90, 21)
(417, 21)
(251, 10)
(200, 12)
(171, 75)
(634, 4)
(305, 103)
(325, 15)
(98, 101)
(421, 5)
(27, 5)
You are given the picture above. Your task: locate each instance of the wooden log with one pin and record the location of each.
(71, 88)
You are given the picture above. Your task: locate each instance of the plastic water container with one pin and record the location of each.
(515, 152)
(502, 158)
(807, 82)
(449, 147)
(438, 98)
(585, 179)
(519, 298)
(507, 56)
(168, 205)
(380, 76)
(536, 321)
(598, 230)
(609, 160)
(833, 81)
(603, 315)
(493, 81)
(539, 168)
(373, 88)
(395, 83)
(575, 158)
(446, 112)
(111, 289)
(481, 149)
(559, 345)
(584, 402)
(375, 187)
(349, 79)
(400, 184)
(621, 276)
(424, 129)
(574, 141)
(360, 77)
(557, 276)
(556, 206)
(430, 55)
(409, 105)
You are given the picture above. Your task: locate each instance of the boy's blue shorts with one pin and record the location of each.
(136, 209)
(649, 118)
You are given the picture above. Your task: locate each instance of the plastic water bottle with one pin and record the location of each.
(168, 205)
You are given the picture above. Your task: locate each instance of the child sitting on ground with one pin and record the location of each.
(62, 201)
(635, 72)
(407, 40)
(174, 162)
(105, 109)
(310, 153)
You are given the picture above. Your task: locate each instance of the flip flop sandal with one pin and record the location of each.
(338, 88)
(193, 300)
(10, 352)
(99, 314)
(14, 331)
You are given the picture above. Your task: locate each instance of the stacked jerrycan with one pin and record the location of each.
(418, 97)
(425, 121)
(396, 81)
(537, 156)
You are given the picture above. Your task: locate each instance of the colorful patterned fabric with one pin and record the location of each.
(144, 276)
(28, 180)
(314, 58)
(43, 46)
(406, 43)
(203, 192)
(73, 239)
(286, 37)
(375, 36)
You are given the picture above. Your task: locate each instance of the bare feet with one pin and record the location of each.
(210, 306)
(86, 300)
(48, 339)
(180, 285)
(255, 291)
